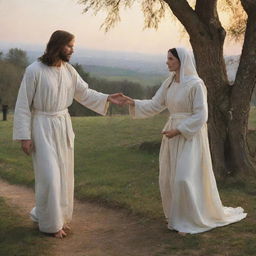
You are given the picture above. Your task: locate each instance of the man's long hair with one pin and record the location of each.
(57, 41)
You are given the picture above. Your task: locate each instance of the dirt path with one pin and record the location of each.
(97, 231)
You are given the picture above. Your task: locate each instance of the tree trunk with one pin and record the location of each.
(218, 91)
(227, 129)
(242, 162)
(240, 100)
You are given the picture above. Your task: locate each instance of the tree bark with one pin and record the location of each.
(240, 99)
(218, 89)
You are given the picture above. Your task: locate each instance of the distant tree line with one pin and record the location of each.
(12, 67)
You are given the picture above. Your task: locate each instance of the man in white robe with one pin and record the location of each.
(43, 125)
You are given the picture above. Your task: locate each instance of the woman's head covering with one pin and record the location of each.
(188, 71)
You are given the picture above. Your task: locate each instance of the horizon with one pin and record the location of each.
(30, 47)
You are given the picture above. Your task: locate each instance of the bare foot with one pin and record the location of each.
(182, 233)
(60, 234)
(66, 227)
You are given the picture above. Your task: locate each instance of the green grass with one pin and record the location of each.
(17, 238)
(111, 169)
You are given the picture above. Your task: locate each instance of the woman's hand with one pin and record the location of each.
(171, 133)
(27, 146)
(120, 99)
(117, 98)
(129, 101)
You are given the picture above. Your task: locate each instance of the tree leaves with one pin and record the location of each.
(155, 10)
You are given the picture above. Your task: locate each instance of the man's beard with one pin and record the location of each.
(64, 57)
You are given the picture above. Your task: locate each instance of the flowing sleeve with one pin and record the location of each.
(191, 125)
(89, 98)
(22, 113)
(148, 108)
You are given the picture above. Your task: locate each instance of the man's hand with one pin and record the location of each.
(171, 133)
(27, 146)
(120, 99)
(117, 98)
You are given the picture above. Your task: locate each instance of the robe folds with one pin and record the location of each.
(41, 115)
(189, 193)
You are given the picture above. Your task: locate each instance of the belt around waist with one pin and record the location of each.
(51, 114)
(69, 130)
(180, 115)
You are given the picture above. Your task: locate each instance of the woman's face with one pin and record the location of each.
(172, 62)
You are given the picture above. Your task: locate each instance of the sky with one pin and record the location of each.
(32, 22)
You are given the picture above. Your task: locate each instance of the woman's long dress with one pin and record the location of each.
(190, 197)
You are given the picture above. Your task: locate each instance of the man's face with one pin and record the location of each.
(67, 51)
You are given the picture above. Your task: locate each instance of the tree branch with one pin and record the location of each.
(112, 7)
(188, 17)
(154, 11)
(249, 5)
(206, 10)
(208, 14)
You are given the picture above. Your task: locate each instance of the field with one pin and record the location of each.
(120, 74)
(112, 169)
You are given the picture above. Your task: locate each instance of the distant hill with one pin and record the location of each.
(119, 74)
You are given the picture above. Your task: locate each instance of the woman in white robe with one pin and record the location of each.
(41, 115)
(190, 197)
